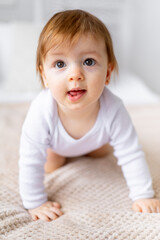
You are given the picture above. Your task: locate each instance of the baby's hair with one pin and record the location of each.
(69, 25)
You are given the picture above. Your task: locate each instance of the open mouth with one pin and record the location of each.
(76, 94)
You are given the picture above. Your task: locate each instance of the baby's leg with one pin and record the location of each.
(101, 152)
(54, 161)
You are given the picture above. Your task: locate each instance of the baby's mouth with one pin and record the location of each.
(75, 94)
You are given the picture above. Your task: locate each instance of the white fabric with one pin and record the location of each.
(43, 129)
(132, 89)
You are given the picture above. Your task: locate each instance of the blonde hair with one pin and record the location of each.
(70, 25)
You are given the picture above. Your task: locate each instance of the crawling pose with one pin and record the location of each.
(75, 114)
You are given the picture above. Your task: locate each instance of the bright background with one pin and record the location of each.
(134, 26)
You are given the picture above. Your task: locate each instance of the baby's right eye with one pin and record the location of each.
(60, 64)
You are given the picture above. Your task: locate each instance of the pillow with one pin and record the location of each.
(133, 90)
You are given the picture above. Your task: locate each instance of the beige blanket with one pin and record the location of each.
(92, 192)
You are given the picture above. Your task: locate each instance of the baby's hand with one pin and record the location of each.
(150, 205)
(47, 212)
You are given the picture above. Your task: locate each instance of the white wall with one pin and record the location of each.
(144, 48)
(16, 10)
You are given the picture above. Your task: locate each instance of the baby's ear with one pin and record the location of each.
(109, 72)
(43, 76)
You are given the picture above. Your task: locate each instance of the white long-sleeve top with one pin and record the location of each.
(43, 129)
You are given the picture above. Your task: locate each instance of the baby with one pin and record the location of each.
(76, 115)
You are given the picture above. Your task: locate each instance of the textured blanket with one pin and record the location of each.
(92, 192)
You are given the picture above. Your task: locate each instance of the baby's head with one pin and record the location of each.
(69, 26)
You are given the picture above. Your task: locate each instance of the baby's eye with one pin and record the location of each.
(60, 64)
(89, 62)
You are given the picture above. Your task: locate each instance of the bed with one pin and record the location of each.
(92, 192)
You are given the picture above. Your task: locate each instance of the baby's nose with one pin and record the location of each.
(76, 74)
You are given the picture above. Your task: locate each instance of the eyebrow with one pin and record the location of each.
(82, 53)
(56, 53)
(91, 52)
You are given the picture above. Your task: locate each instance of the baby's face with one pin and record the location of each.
(77, 74)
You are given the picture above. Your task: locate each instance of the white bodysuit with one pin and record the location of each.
(43, 129)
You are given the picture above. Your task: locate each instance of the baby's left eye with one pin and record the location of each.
(89, 62)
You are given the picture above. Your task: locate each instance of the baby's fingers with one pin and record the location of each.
(34, 217)
(56, 204)
(146, 209)
(147, 205)
(136, 208)
(141, 208)
(50, 215)
(57, 211)
(43, 216)
(155, 207)
(158, 209)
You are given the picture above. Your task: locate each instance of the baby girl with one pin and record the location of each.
(75, 114)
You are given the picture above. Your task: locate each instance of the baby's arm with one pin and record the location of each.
(132, 161)
(33, 145)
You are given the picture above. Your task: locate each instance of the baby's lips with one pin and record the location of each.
(75, 92)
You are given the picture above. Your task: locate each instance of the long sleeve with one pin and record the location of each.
(130, 156)
(33, 145)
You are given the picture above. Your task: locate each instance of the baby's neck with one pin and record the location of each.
(82, 114)
(78, 123)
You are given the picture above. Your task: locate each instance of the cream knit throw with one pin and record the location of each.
(92, 192)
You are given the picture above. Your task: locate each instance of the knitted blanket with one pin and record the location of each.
(92, 192)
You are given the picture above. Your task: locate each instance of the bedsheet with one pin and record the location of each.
(92, 192)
